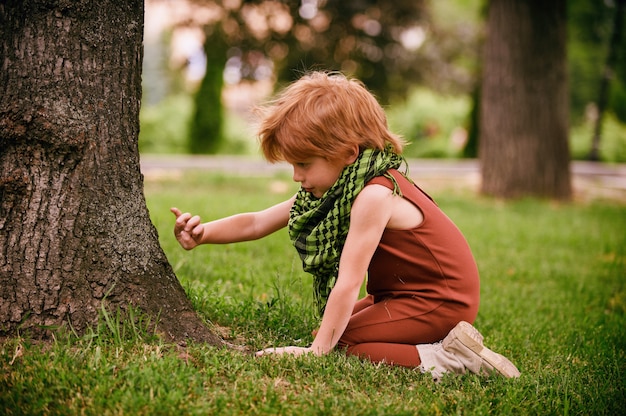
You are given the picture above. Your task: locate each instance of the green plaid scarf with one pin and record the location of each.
(318, 227)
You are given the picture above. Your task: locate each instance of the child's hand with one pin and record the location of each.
(285, 350)
(187, 229)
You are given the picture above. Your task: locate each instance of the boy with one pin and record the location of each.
(356, 215)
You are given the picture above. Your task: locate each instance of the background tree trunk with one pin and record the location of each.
(74, 227)
(523, 143)
(206, 130)
(607, 76)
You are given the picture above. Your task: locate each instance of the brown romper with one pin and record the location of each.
(421, 283)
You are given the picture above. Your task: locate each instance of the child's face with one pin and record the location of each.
(317, 174)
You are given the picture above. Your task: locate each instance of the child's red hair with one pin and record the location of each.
(325, 115)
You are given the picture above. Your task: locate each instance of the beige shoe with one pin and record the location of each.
(462, 350)
(437, 361)
(466, 343)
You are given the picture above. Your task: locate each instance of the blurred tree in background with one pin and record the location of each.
(374, 40)
(590, 26)
(205, 130)
(388, 45)
(422, 57)
(614, 63)
(524, 127)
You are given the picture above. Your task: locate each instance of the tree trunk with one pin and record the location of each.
(607, 75)
(206, 131)
(523, 145)
(74, 227)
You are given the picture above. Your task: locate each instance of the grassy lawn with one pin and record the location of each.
(553, 301)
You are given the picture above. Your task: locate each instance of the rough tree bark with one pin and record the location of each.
(523, 144)
(74, 227)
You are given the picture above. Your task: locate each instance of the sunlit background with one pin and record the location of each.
(208, 63)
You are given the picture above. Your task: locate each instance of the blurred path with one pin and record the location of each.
(590, 180)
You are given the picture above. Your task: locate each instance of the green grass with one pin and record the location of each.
(553, 300)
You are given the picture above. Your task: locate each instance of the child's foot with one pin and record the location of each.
(465, 342)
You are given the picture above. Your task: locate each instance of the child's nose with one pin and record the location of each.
(297, 175)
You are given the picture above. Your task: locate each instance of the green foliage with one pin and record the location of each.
(553, 300)
(618, 96)
(361, 38)
(589, 29)
(590, 24)
(612, 145)
(430, 122)
(165, 129)
(427, 120)
(165, 126)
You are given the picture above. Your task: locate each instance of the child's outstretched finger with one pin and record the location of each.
(197, 231)
(182, 220)
(192, 223)
(176, 211)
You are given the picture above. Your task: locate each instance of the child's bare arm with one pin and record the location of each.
(369, 217)
(191, 232)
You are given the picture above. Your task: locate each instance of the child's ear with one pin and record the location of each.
(353, 155)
